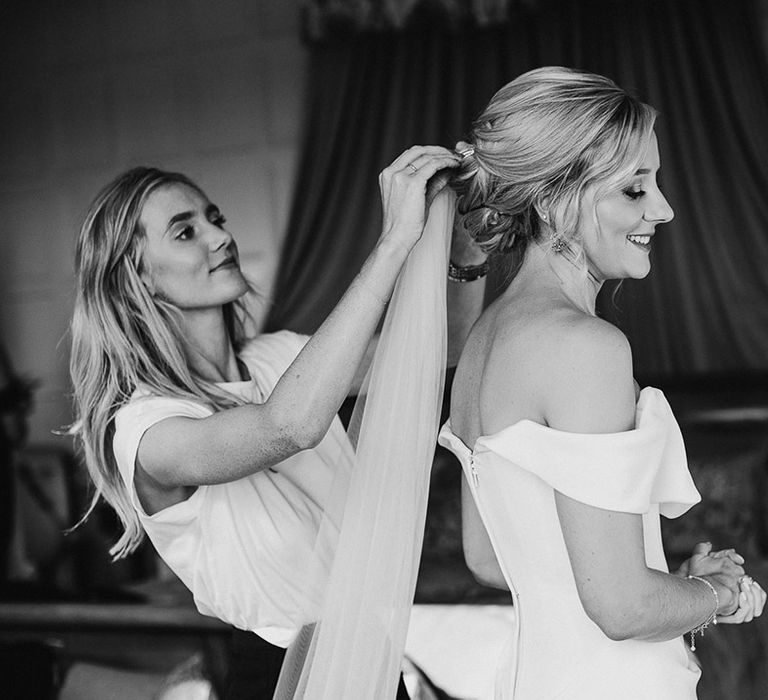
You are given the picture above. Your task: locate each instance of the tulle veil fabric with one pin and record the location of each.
(351, 647)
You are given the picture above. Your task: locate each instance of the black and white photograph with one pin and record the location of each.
(383, 349)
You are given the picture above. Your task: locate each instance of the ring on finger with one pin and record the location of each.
(412, 167)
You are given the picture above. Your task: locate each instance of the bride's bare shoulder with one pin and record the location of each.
(548, 337)
(575, 369)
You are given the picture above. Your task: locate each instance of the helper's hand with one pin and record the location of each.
(408, 187)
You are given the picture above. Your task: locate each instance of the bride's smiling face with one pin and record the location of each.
(617, 230)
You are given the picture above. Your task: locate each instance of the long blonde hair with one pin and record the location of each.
(545, 137)
(124, 337)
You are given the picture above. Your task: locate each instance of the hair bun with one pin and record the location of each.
(495, 231)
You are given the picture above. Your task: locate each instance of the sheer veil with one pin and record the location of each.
(351, 647)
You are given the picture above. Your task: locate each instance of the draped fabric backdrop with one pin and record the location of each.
(380, 82)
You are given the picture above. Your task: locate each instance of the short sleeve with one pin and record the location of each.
(133, 420)
(627, 471)
(269, 355)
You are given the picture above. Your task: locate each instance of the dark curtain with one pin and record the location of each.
(704, 308)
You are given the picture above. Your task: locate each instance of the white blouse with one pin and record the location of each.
(243, 547)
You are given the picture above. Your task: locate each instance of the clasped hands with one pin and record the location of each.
(741, 598)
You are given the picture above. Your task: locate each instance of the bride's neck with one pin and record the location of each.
(563, 273)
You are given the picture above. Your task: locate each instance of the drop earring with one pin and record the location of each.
(556, 243)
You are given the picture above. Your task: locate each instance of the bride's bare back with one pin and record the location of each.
(535, 355)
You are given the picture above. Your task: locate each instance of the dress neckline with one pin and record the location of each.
(646, 394)
(243, 368)
(238, 384)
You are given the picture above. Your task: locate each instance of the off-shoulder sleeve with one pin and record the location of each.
(625, 471)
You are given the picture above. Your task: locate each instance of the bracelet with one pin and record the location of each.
(712, 619)
(467, 273)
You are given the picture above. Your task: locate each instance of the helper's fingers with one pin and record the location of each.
(419, 163)
(427, 166)
(413, 153)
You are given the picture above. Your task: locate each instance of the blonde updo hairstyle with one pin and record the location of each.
(543, 139)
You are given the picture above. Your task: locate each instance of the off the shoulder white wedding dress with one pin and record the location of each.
(556, 650)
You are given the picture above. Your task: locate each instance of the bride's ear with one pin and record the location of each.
(542, 209)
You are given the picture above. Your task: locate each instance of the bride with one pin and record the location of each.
(567, 463)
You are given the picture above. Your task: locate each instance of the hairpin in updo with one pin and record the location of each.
(466, 152)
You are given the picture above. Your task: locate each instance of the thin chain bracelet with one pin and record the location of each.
(712, 619)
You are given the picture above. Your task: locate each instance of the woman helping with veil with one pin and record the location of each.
(227, 451)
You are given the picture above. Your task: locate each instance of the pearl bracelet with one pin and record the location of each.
(712, 619)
